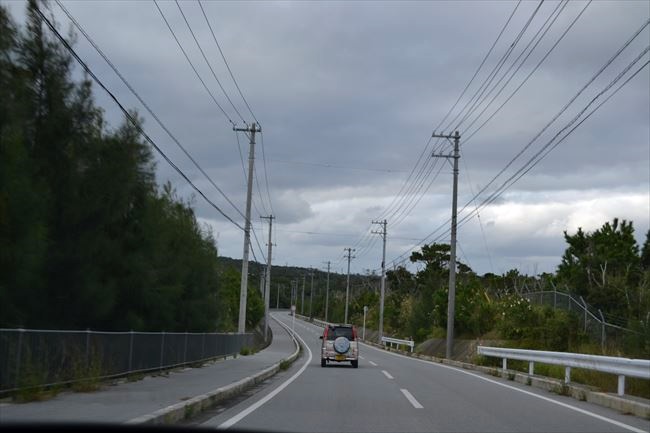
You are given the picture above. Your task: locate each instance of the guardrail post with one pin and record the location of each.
(567, 374)
(621, 385)
(130, 350)
(505, 364)
(531, 368)
(162, 348)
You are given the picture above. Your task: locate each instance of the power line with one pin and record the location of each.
(129, 116)
(226, 62)
(479, 66)
(266, 172)
(144, 104)
(189, 27)
(566, 106)
(470, 135)
(544, 28)
(192, 64)
(546, 149)
(326, 165)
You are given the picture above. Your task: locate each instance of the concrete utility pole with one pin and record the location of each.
(451, 303)
(267, 285)
(311, 292)
(349, 256)
(262, 277)
(382, 233)
(243, 290)
(294, 292)
(302, 300)
(327, 290)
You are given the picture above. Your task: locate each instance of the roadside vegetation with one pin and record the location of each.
(89, 238)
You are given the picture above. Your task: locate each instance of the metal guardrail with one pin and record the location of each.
(33, 358)
(608, 364)
(399, 342)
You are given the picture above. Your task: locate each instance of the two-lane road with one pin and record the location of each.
(392, 393)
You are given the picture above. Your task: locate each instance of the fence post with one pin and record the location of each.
(21, 331)
(584, 305)
(185, 349)
(162, 348)
(87, 348)
(130, 350)
(602, 331)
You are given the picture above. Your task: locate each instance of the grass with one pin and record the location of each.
(285, 364)
(245, 351)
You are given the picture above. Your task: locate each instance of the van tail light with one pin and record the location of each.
(354, 332)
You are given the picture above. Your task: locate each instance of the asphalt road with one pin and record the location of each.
(392, 393)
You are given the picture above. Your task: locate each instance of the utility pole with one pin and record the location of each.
(451, 303)
(267, 285)
(243, 290)
(347, 285)
(302, 300)
(311, 292)
(327, 290)
(382, 233)
(294, 292)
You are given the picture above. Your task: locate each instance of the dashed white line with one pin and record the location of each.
(361, 357)
(411, 399)
(372, 363)
(387, 374)
(548, 399)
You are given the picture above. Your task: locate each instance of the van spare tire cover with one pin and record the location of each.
(341, 345)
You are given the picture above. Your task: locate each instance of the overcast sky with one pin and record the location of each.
(348, 95)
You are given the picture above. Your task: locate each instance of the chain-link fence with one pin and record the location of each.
(599, 326)
(32, 358)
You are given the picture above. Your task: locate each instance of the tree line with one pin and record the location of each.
(606, 267)
(88, 239)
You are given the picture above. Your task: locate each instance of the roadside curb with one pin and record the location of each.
(189, 408)
(576, 391)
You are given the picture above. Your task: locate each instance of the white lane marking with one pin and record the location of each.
(550, 400)
(387, 374)
(411, 399)
(244, 413)
(372, 363)
(361, 357)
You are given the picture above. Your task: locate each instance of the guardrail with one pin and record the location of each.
(397, 341)
(608, 364)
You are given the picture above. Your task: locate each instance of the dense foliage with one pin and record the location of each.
(605, 267)
(87, 237)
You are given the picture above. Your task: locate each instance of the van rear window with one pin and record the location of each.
(334, 332)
